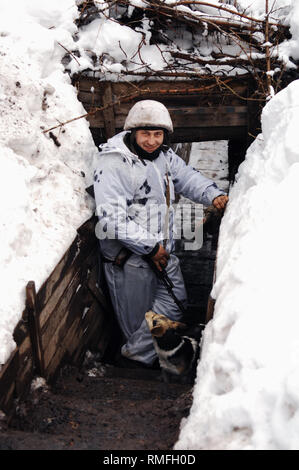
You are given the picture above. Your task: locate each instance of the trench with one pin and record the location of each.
(101, 406)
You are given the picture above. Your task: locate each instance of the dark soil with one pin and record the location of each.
(103, 408)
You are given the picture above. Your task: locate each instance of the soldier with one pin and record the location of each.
(135, 182)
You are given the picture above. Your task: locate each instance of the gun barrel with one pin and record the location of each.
(167, 283)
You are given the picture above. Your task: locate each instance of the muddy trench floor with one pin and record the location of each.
(101, 407)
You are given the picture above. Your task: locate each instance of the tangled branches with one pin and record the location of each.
(192, 39)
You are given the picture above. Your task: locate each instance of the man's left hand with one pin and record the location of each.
(220, 202)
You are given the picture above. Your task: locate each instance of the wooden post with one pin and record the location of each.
(34, 328)
(210, 309)
(108, 113)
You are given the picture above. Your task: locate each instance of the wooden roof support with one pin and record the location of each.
(201, 110)
(108, 113)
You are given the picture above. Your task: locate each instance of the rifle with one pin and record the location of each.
(163, 276)
(124, 254)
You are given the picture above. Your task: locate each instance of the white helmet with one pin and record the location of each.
(148, 113)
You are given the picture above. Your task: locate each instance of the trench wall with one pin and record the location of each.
(68, 315)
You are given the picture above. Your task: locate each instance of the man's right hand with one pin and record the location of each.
(161, 258)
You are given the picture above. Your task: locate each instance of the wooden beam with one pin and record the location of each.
(108, 113)
(163, 88)
(34, 327)
(8, 376)
(225, 97)
(185, 117)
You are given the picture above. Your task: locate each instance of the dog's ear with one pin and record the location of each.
(180, 326)
(158, 331)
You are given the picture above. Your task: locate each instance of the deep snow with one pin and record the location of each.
(246, 393)
(42, 186)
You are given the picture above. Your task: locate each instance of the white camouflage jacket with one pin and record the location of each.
(130, 196)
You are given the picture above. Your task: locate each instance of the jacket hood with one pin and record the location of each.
(117, 144)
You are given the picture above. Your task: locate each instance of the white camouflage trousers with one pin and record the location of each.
(135, 289)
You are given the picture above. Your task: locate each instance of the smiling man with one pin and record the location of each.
(149, 140)
(135, 181)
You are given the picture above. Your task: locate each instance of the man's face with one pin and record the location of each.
(149, 140)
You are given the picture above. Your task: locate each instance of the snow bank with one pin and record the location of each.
(246, 394)
(42, 185)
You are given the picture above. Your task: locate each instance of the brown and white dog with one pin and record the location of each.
(176, 345)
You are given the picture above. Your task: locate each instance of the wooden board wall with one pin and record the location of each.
(68, 315)
(199, 111)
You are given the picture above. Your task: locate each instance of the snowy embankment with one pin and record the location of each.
(246, 394)
(42, 185)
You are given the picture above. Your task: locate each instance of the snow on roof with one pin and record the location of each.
(131, 39)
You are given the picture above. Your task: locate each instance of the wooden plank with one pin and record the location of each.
(200, 117)
(95, 317)
(25, 349)
(210, 309)
(26, 366)
(67, 341)
(8, 376)
(93, 100)
(75, 339)
(184, 87)
(71, 312)
(201, 111)
(8, 400)
(90, 326)
(60, 308)
(108, 113)
(96, 291)
(59, 282)
(58, 360)
(69, 263)
(178, 93)
(32, 308)
(58, 315)
(24, 376)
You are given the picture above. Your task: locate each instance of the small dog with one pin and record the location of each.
(177, 346)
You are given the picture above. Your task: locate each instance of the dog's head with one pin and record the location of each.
(176, 351)
(159, 324)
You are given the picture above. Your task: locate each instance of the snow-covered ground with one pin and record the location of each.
(247, 390)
